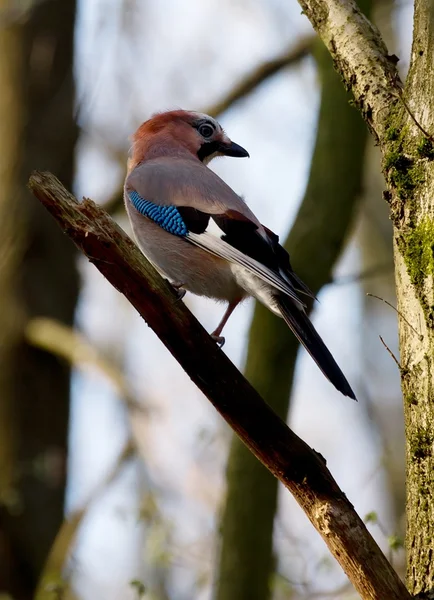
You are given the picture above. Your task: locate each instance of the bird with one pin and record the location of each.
(202, 236)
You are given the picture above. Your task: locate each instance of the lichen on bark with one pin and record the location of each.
(407, 155)
(418, 251)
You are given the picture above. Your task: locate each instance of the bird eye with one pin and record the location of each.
(206, 131)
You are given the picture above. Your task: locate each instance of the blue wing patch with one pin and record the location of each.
(167, 217)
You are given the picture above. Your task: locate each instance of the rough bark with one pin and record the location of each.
(314, 243)
(408, 166)
(302, 470)
(360, 56)
(38, 277)
(412, 167)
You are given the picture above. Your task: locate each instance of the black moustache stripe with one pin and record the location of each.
(207, 149)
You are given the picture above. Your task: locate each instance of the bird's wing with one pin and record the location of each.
(185, 182)
(186, 199)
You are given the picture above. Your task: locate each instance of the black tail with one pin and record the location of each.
(305, 332)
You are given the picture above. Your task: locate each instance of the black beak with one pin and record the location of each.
(233, 149)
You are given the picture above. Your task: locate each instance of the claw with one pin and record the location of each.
(176, 286)
(180, 293)
(220, 340)
(216, 333)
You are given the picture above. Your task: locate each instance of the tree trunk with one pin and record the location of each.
(409, 165)
(315, 242)
(402, 121)
(38, 276)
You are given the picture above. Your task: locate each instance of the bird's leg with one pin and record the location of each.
(216, 333)
(177, 287)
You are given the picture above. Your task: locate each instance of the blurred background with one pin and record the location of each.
(118, 480)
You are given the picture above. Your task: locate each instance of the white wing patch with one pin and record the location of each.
(213, 229)
(219, 247)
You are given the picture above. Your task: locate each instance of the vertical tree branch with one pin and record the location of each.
(413, 213)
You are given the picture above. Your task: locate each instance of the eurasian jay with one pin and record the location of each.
(199, 234)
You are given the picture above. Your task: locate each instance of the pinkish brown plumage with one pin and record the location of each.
(173, 201)
(170, 134)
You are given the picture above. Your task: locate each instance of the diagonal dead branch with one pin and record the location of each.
(288, 457)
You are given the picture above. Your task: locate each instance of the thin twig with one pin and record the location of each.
(416, 122)
(390, 352)
(419, 335)
(262, 72)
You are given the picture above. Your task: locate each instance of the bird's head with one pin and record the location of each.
(179, 130)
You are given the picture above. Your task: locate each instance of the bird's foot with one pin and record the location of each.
(180, 293)
(177, 288)
(220, 340)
